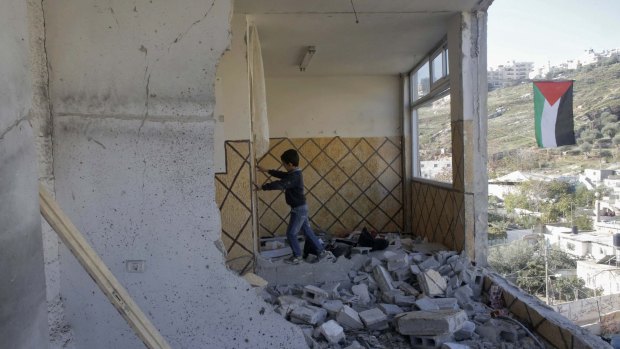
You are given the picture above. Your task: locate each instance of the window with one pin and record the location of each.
(431, 119)
(439, 64)
(435, 140)
(420, 82)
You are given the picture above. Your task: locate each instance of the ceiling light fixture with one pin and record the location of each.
(310, 51)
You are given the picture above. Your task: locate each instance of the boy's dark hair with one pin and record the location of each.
(290, 157)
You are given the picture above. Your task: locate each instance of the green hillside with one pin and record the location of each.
(511, 139)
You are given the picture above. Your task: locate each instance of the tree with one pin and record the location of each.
(610, 130)
(585, 148)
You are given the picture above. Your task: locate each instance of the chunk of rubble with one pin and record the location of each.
(420, 298)
(374, 319)
(308, 314)
(349, 318)
(431, 323)
(433, 284)
(332, 331)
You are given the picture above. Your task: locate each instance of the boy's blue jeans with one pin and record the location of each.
(299, 221)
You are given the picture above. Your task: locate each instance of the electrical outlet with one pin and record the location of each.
(135, 266)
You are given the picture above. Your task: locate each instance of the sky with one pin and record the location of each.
(543, 31)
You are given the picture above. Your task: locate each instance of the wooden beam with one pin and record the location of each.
(99, 272)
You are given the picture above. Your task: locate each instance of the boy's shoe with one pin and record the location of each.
(293, 260)
(326, 255)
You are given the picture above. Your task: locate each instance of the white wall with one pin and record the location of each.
(132, 89)
(232, 109)
(346, 106)
(23, 320)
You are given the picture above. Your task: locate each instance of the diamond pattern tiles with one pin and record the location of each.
(438, 214)
(350, 183)
(233, 195)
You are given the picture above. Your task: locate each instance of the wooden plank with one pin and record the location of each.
(94, 266)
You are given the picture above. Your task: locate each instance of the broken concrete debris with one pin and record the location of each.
(407, 296)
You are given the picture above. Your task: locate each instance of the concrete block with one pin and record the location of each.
(433, 283)
(430, 323)
(429, 263)
(426, 303)
(315, 295)
(404, 301)
(333, 306)
(429, 342)
(308, 314)
(466, 331)
(415, 269)
(361, 290)
(446, 303)
(451, 345)
(383, 278)
(387, 255)
(464, 295)
(332, 331)
(390, 309)
(390, 297)
(399, 261)
(374, 319)
(477, 282)
(349, 318)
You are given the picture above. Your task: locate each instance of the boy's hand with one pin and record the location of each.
(261, 169)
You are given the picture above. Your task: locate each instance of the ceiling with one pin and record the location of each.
(390, 37)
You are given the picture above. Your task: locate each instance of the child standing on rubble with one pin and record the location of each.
(292, 183)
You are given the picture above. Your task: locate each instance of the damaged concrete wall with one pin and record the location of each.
(40, 114)
(132, 92)
(23, 320)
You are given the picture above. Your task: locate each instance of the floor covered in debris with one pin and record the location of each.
(411, 294)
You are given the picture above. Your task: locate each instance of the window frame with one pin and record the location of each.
(438, 89)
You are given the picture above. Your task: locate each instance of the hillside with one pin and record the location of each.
(511, 139)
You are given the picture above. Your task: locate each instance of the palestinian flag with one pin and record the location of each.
(553, 106)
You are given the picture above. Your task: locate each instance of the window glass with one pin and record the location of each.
(421, 82)
(435, 140)
(445, 52)
(437, 64)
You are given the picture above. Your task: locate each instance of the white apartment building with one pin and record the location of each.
(509, 74)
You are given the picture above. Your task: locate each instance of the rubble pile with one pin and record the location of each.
(402, 298)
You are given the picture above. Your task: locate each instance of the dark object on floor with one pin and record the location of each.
(366, 240)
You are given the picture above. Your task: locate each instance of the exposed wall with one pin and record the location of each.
(232, 92)
(133, 99)
(23, 311)
(345, 106)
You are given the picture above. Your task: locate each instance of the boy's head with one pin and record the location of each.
(290, 157)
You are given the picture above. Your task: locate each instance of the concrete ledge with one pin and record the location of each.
(548, 324)
(277, 272)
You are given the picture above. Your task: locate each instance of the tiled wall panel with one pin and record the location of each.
(438, 214)
(233, 195)
(350, 183)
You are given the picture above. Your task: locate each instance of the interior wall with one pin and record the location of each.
(132, 91)
(232, 108)
(23, 311)
(350, 183)
(345, 106)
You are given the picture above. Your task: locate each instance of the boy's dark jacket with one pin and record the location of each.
(292, 183)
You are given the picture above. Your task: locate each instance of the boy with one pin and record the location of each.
(293, 185)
